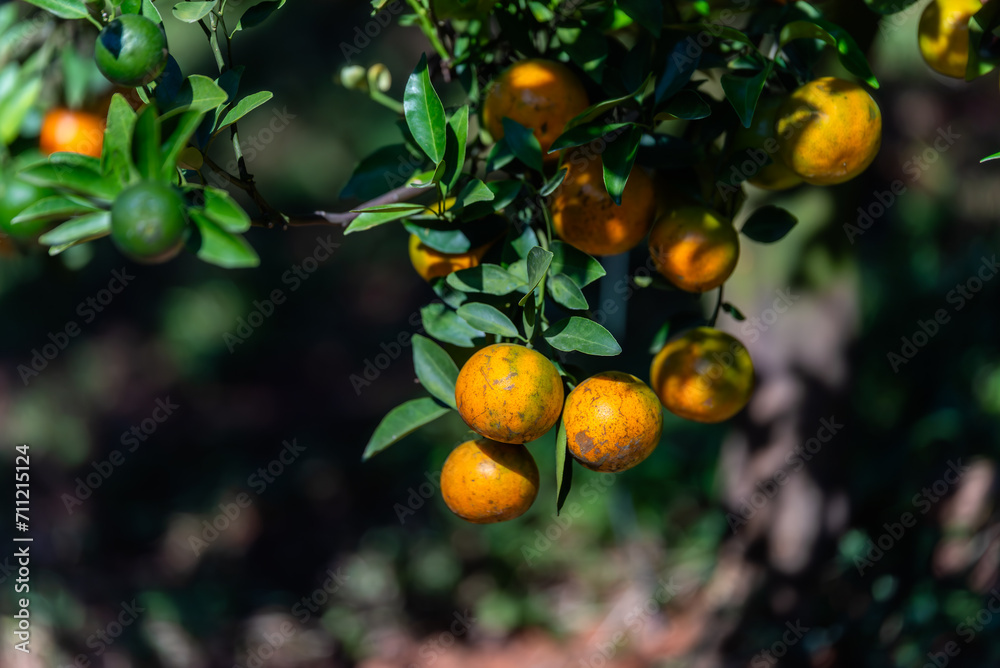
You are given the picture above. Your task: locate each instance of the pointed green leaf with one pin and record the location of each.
(223, 210)
(474, 191)
(54, 208)
(743, 92)
(223, 248)
(584, 134)
(850, 54)
(455, 147)
(191, 12)
(178, 140)
(567, 293)
(769, 224)
(64, 9)
(402, 421)
(15, 106)
(435, 369)
(538, 262)
(582, 335)
(488, 319)
(680, 67)
(146, 143)
(116, 154)
(257, 14)
(576, 264)
(244, 107)
(386, 214)
(424, 112)
(72, 171)
(83, 228)
(444, 325)
(197, 93)
(686, 105)
(618, 159)
(488, 278)
(523, 143)
(646, 13)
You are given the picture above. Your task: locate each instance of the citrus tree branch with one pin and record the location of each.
(400, 194)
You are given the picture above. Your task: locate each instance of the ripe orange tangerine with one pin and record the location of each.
(694, 248)
(760, 137)
(71, 131)
(613, 421)
(943, 34)
(829, 131)
(703, 375)
(585, 216)
(485, 482)
(431, 264)
(509, 393)
(541, 95)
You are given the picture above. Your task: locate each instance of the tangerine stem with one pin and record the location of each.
(718, 306)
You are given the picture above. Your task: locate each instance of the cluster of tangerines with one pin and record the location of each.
(825, 132)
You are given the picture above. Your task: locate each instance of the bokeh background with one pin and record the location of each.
(778, 538)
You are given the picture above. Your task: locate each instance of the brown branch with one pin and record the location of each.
(400, 194)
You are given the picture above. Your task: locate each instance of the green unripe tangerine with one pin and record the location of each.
(15, 197)
(131, 50)
(148, 223)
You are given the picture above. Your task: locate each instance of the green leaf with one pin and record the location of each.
(488, 319)
(552, 184)
(990, 157)
(83, 228)
(223, 210)
(600, 109)
(150, 12)
(582, 335)
(646, 13)
(487, 278)
(54, 208)
(444, 325)
(769, 224)
(474, 191)
(76, 70)
(74, 172)
(680, 67)
(733, 311)
(660, 338)
(64, 9)
(687, 105)
(850, 54)
(743, 92)
(567, 293)
(223, 248)
(376, 174)
(576, 264)
(618, 159)
(386, 214)
(402, 421)
(523, 143)
(455, 147)
(257, 14)
(584, 134)
(146, 143)
(564, 467)
(178, 140)
(244, 107)
(424, 112)
(982, 25)
(197, 93)
(116, 154)
(435, 369)
(538, 261)
(14, 107)
(191, 12)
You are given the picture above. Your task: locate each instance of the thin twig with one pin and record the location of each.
(400, 194)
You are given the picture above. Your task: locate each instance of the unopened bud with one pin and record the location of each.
(353, 76)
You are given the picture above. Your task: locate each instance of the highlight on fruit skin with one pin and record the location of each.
(585, 216)
(542, 95)
(703, 375)
(430, 263)
(694, 248)
(509, 393)
(829, 131)
(484, 482)
(943, 35)
(613, 422)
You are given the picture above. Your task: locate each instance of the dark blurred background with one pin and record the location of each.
(846, 518)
